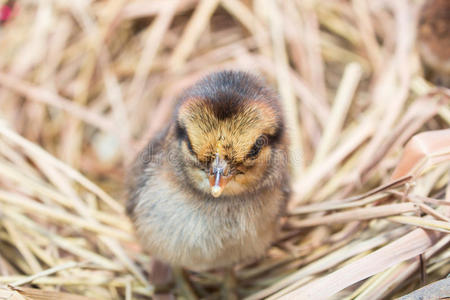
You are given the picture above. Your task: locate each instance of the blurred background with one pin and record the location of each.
(85, 84)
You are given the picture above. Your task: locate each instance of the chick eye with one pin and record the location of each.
(189, 145)
(257, 146)
(183, 136)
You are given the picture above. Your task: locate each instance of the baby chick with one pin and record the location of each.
(434, 40)
(208, 191)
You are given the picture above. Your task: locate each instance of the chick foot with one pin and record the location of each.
(229, 287)
(161, 277)
(183, 283)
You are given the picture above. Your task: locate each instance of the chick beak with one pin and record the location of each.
(217, 177)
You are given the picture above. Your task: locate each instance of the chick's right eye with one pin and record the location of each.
(189, 145)
(183, 136)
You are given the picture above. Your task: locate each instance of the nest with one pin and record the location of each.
(83, 84)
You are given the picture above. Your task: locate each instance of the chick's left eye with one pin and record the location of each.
(257, 146)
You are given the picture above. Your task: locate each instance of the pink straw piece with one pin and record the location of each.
(5, 13)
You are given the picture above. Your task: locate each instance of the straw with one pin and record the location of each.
(85, 85)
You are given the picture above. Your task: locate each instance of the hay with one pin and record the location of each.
(84, 84)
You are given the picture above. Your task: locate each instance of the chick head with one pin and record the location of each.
(230, 134)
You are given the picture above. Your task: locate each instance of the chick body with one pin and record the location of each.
(229, 122)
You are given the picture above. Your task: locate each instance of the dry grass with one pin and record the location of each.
(84, 84)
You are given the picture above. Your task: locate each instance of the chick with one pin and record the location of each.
(434, 40)
(207, 192)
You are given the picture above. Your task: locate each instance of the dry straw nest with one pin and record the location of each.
(83, 83)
